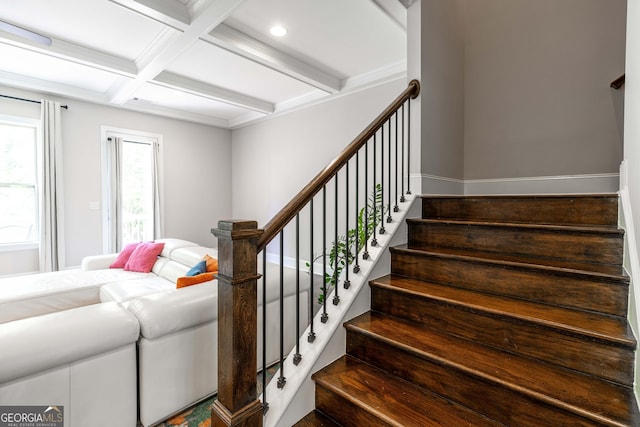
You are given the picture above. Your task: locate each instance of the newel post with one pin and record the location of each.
(237, 403)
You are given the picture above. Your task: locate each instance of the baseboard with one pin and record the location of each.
(563, 184)
(433, 184)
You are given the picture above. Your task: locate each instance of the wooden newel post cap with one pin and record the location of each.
(237, 229)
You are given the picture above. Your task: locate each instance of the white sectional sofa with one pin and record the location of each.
(167, 336)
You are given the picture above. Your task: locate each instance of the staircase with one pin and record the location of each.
(500, 311)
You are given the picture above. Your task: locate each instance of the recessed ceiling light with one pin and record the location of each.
(278, 31)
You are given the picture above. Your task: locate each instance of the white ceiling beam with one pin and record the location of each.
(216, 12)
(216, 93)
(250, 48)
(74, 53)
(407, 3)
(150, 108)
(394, 9)
(45, 86)
(168, 12)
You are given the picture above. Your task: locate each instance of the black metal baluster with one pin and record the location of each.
(347, 243)
(402, 199)
(265, 404)
(365, 254)
(324, 316)
(356, 266)
(389, 219)
(281, 380)
(408, 147)
(312, 335)
(382, 229)
(297, 357)
(395, 207)
(336, 298)
(374, 241)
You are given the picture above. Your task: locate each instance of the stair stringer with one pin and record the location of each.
(297, 398)
(632, 267)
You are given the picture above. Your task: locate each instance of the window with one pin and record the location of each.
(132, 188)
(18, 181)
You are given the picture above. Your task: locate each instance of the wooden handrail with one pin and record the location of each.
(287, 213)
(617, 83)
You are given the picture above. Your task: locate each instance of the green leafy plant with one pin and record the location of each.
(351, 244)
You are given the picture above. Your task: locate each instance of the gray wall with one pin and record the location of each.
(442, 79)
(513, 89)
(537, 97)
(197, 175)
(274, 159)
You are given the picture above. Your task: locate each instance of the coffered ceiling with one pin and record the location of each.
(207, 61)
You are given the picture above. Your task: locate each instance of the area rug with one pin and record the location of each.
(200, 414)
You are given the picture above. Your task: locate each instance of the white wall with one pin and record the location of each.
(632, 110)
(632, 152)
(274, 159)
(537, 96)
(197, 175)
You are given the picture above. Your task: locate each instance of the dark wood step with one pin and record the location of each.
(515, 390)
(586, 248)
(589, 209)
(595, 344)
(356, 394)
(549, 285)
(316, 419)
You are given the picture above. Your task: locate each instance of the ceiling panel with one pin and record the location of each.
(225, 63)
(216, 66)
(98, 24)
(30, 64)
(171, 98)
(350, 37)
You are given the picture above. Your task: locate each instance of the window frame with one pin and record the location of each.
(130, 135)
(36, 124)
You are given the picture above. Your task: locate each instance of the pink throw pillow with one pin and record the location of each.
(144, 256)
(124, 255)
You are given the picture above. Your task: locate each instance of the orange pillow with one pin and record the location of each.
(193, 280)
(212, 263)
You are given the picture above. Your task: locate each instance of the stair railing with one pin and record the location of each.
(370, 177)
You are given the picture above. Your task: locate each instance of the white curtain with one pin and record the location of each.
(157, 202)
(114, 162)
(114, 197)
(52, 248)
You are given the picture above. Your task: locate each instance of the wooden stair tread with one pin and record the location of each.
(606, 328)
(394, 401)
(578, 393)
(316, 419)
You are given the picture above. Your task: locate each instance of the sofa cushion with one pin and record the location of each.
(124, 255)
(180, 309)
(192, 254)
(185, 281)
(42, 293)
(199, 268)
(144, 256)
(171, 245)
(123, 291)
(212, 263)
(43, 342)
